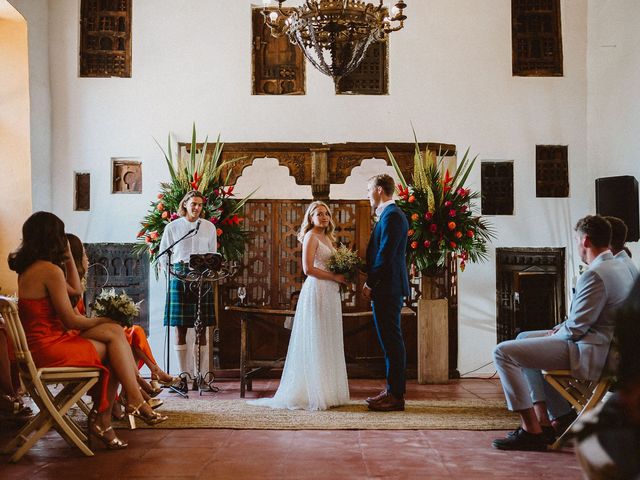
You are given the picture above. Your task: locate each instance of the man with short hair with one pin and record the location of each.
(618, 239)
(386, 286)
(580, 344)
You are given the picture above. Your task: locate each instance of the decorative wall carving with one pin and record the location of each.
(126, 176)
(278, 65)
(496, 184)
(82, 192)
(371, 76)
(114, 265)
(105, 38)
(536, 38)
(552, 171)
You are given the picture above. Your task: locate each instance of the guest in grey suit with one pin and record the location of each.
(580, 344)
(618, 238)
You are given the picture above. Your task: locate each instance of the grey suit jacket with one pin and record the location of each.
(626, 260)
(589, 327)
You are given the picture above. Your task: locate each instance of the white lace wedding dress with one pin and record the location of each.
(315, 373)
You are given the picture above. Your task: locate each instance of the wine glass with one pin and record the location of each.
(242, 293)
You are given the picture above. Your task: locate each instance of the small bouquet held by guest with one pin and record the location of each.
(346, 262)
(117, 306)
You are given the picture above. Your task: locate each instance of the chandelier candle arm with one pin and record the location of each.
(334, 35)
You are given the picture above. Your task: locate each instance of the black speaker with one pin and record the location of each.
(618, 197)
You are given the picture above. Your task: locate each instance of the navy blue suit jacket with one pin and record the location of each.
(386, 254)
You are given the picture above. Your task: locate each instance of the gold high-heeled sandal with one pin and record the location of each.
(95, 430)
(152, 418)
(155, 380)
(150, 388)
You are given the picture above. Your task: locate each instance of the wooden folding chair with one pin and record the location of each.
(583, 395)
(53, 407)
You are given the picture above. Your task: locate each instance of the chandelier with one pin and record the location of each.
(334, 35)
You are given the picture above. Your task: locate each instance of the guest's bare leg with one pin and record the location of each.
(541, 412)
(530, 421)
(156, 371)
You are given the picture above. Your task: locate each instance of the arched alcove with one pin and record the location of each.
(15, 155)
(272, 180)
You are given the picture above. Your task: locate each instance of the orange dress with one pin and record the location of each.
(52, 345)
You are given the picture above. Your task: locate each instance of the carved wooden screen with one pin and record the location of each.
(105, 38)
(496, 184)
(536, 38)
(371, 77)
(114, 265)
(278, 65)
(552, 171)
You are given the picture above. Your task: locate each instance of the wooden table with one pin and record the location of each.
(248, 366)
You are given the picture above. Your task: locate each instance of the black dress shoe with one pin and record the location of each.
(522, 440)
(547, 430)
(563, 422)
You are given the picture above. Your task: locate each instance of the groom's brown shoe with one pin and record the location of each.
(387, 403)
(383, 393)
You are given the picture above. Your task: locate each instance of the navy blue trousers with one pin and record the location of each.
(386, 317)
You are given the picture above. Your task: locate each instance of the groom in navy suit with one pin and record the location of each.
(386, 286)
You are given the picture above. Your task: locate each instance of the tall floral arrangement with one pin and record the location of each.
(221, 207)
(439, 210)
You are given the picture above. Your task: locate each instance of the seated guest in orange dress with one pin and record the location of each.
(135, 334)
(58, 336)
(12, 409)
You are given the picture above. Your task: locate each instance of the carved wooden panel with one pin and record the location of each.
(82, 192)
(536, 38)
(105, 38)
(371, 76)
(113, 265)
(530, 289)
(497, 188)
(552, 171)
(126, 176)
(278, 65)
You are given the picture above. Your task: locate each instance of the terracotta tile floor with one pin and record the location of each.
(248, 454)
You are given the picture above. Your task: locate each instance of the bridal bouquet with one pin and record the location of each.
(117, 306)
(344, 261)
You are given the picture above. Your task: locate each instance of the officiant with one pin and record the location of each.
(181, 305)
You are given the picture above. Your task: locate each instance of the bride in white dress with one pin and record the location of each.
(315, 373)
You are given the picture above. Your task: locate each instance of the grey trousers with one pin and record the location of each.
(519, 363)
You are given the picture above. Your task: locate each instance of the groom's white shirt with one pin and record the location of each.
(382, 206)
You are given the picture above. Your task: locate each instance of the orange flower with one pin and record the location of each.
(412, 199)
(218, 231)
(411, 232)
(140, 233)
(458, 234)
(160, 207)
(160, 196)
(462, 265)
(451, 225)
(415, 217)
(414, 245)
(165, 214)
(154, 235)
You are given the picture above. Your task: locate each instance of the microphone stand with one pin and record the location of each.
(168, 252)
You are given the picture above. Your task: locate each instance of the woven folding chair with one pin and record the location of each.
(53, 406)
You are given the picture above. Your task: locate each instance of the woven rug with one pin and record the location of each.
(418, 415)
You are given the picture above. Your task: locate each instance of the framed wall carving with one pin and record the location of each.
(105, 38)
(496, 185)
(82, 191)
(536, 38)
(371, 77)
(552, 171)
(126, 176)
(278, 65)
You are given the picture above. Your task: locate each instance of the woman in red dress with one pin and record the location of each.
(58, 336)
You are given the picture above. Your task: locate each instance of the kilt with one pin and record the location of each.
(182, 302)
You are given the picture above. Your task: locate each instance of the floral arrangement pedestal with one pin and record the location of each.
(433, 335)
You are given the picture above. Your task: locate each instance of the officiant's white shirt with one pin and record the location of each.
(205, 241)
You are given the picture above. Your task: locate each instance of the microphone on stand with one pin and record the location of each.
(197, 227)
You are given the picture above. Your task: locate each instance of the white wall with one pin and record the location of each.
(613, 115)
(15, 164)
(450, 74)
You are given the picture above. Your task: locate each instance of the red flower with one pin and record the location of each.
(160, 196)
(464, 208)
(452, 213)
(218, 231)
(154, 235)
(453, 244)
(148, 239)
(447, 178)
(451, 225)
(410, 232)
(140, 233)
(448, 203)
(470, 233)
(174, 216)
(403, 192)
(196, 181)
(428, 216)
(433, 227)
(462, 265)
(427, 244)
(214, 220)
(414, 245)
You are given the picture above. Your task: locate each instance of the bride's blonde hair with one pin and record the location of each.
(307, 223)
